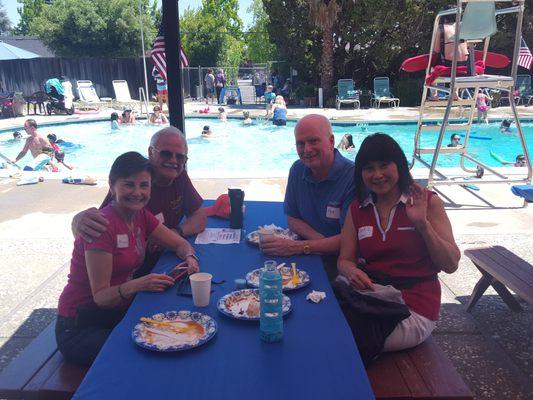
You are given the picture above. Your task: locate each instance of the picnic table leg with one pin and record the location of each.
(482, 285)
(506, 296)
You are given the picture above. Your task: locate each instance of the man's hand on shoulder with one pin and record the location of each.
(89, 224)
(276, 246)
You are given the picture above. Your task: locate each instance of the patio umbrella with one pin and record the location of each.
(8, 52)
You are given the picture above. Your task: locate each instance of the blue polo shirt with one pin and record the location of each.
(323, 205)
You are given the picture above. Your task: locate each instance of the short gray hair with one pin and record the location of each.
(170, 130)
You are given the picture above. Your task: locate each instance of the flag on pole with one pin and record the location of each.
(524, 55)
(158, 54)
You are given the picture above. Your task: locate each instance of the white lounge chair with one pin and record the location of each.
(87, 95)
(122, 94)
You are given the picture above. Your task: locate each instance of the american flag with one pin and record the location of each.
(524, 55)
(158, 54)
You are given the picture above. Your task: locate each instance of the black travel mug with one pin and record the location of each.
(236, 201)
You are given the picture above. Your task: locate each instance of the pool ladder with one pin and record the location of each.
(454, 84)
(143, 100)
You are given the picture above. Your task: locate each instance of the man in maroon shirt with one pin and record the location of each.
(173, 195)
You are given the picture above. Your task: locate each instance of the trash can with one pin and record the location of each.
(364, 98)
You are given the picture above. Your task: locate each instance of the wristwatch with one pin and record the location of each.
(307, 249)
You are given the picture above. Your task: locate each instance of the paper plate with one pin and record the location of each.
(252, 278)
(237, 304)
(189, 330)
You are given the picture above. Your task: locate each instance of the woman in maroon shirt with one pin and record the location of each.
(395, 240)
(100, 284)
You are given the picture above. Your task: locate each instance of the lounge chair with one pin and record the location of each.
(382, 93)
(87, 95)
(122, 93)
(523, 85)
(347, 93)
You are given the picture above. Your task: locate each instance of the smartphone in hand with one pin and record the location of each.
(178, 271)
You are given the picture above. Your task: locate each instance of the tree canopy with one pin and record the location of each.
(89, 28)
(5, 23)
(212, 34)
(259, 48)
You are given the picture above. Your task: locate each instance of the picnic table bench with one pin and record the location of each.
(424, 372)
(501, 269)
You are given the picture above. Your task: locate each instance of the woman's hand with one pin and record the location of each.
(153, 283)
(417, 206)
(192, 264)
(359, 278)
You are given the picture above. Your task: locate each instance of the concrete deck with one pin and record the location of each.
(492, 347)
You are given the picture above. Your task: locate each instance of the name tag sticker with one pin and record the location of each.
(122, 241)
(365, 232)
(333, 212)
(406, 228)
(160, 217)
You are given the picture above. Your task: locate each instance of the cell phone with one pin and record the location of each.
(178, 271)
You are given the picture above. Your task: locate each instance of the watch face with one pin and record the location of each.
(307, 250)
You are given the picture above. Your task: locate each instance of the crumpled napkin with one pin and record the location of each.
(316, 296)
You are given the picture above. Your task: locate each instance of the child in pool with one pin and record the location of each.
(115, 123)
(247, 120)
(206, 132)
(222, 114)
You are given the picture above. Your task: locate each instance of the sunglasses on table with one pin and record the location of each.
(167, 155)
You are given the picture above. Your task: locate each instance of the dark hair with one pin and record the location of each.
(17, 134)
(520, 157)
(380, 147)
(32, 122)
(221, 109)
(157, 108)
(349, 138)
(114, 116)
(52, 137)
(454, 135)
(128, 164)
(206, 127)
(506, 123)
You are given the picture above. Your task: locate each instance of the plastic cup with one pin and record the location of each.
(201, 288)
(263, 235)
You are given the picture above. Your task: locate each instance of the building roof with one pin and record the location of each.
(28, 43)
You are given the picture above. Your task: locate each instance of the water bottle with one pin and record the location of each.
(270, 303)
(236, 200)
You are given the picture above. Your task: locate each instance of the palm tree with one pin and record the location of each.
(323, 14)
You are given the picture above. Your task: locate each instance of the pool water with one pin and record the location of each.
(248, 151)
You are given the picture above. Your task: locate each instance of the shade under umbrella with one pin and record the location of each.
(8, 52)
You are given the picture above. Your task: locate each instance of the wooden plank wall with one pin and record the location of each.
(28, 76)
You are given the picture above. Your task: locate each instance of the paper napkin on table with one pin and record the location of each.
(218, 236)
(315, 296)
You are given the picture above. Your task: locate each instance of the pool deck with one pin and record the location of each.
(492, 347)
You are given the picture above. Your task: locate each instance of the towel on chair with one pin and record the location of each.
(525, 191)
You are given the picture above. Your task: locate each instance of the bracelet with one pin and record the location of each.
(121, 295)
(191, 255)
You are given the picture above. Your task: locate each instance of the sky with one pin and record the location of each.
(11, 7)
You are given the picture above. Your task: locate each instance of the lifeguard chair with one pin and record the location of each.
(475, 23)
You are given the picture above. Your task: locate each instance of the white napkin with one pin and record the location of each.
(315, 296)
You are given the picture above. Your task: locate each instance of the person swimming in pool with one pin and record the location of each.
(455, 140)
(505, 126)
(206, 131)
(346, 143)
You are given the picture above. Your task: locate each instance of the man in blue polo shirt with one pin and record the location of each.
(319, 191)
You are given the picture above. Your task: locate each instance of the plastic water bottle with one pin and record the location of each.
(271, 301)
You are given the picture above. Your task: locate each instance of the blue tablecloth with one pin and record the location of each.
(317, 359)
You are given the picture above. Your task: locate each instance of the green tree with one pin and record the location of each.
(211, 35)
(28, 11)
(5, 23)
(93, 28)
(259, 48)
(323, 14)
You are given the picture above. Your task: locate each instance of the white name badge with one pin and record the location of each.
(406, 228)
(160, 217)
(333, 212)
(365, 232)
(122, 241)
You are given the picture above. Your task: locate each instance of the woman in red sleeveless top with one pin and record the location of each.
(396, 233)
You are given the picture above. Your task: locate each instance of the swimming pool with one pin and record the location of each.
(258, 151)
